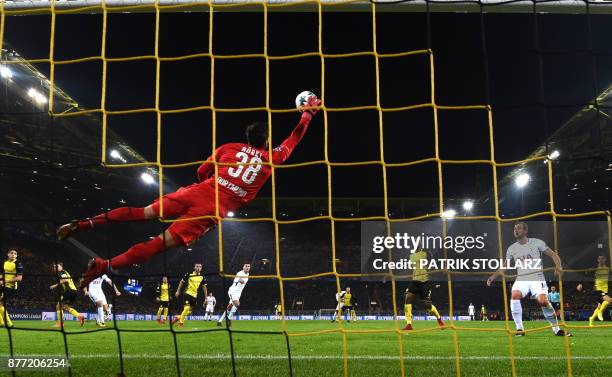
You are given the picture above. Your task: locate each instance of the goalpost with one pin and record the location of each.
(11, 7)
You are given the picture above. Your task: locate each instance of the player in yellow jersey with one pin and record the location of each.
(163, 298)
(600, 289)
(12, 274)
(483, 313)
(345, 305)
(348, 304)
(419, 288)
(67, 294)
(279, 310)
(191, 283)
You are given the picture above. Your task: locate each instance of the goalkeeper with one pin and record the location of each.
(237, 186)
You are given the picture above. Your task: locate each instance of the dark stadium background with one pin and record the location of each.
(50, 168)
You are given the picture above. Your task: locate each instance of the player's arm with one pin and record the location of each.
(500, 271)
(180, 286)
(204, 289)
(208, 167)
(110, 282)
(61, 279)
(494, 276)
(19, 274)
(281, 153)
(555, 257)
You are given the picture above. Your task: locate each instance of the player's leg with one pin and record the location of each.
(116, 215)
(5, 318)
(605, 301)
(187, 309)
(166, 306)
(134, 255)
(174, 206)
(408, 299)
(159, 313)
(423, 293)
(225, 312)
(518, 291)
(338, 311)
(539, 289)
(594, 315)
(100, 316)
(60, 314)
(68, 307)
(108, 308)
(234, 307)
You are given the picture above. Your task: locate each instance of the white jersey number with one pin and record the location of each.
(252, 170)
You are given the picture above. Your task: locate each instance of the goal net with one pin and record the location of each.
(350, 104)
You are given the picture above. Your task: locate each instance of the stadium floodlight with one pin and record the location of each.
(6, 72)
(147, 178)
(230, 214)
(449, 213)
(117, 156)
(468, 205)
(37, 96)
(522, 180)
(554, 155)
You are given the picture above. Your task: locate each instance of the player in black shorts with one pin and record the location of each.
(419, 288)
(67, 294)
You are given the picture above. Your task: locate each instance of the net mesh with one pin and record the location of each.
(265, 8)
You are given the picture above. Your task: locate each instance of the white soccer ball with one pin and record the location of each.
(302, 98)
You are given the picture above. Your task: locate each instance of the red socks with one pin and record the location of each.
(118, 214)
(139, 253)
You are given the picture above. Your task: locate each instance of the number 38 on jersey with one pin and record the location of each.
(250, 171)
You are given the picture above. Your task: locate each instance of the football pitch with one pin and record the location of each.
(262, 351)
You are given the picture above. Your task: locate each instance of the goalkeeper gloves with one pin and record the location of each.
(311, 106)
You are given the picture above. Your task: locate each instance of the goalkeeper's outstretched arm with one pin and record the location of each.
(281, 153)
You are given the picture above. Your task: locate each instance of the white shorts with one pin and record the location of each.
(534, 287)
(339, 306)
(233, 295)
(96, 296)
(210, 308)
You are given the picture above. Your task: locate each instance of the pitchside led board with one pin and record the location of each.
(470, 249)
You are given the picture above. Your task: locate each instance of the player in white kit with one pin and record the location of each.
(96, 294)
(527, 255)
(234, 292)
(340, 306)
(209, 302)
(471, 312)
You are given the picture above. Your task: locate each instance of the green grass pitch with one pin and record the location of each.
(429, 353)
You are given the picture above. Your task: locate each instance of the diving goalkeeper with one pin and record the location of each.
(238, 185)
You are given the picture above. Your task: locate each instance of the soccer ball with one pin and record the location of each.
(302, 98)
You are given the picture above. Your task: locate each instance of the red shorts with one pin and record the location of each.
(189, 202)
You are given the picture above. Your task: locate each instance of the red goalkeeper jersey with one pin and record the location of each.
(241, 183)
